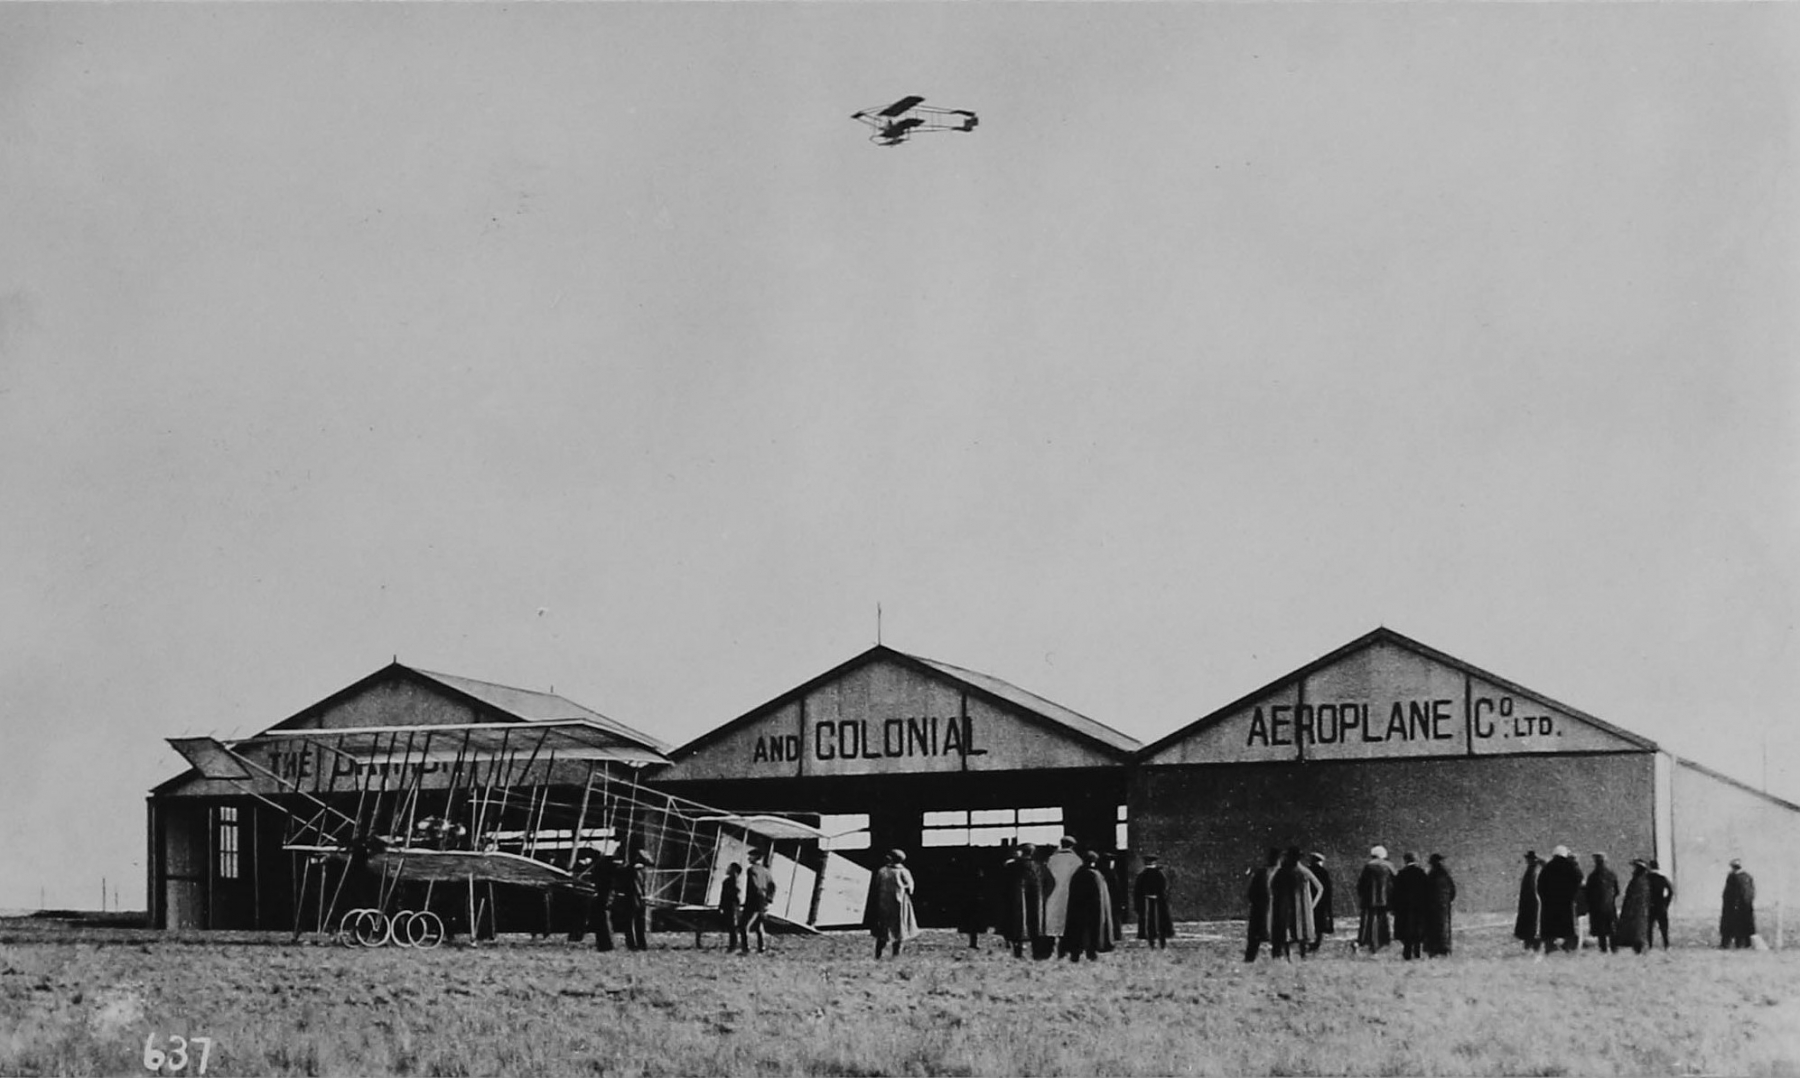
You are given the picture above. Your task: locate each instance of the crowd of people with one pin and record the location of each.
(1072, 903)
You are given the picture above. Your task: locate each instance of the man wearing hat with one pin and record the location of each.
(1062, 865)
(1374, 891)
(1737, 914)
(1021, 910)
(759, 896)
(1662, 896)
(888, 914)
(1151, 893)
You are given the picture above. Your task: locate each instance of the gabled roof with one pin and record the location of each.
(1005, 690)
(1384, 635)
(499, 703)
(1029, 706)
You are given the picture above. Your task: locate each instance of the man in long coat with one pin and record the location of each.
(888, 913)
(1374, 892)
(1155, 926)
(1558, 885)
(1021, 908)
(1662, 896)
(1440, 899)
(1410, 897)
(1062, 865)
(1088, 929)
(1602, 902)
(1324, 923)
(1293, 892)
(1633, 927)
(1261, 925)
(1112, 869)
(636, 898)
(1737, 911)
(1525, 926)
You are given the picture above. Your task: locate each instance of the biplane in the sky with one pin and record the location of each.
(407, 834)
(900, 121)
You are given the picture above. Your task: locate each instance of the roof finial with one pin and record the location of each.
(878, 624)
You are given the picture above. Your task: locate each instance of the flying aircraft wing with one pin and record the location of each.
(900, 106)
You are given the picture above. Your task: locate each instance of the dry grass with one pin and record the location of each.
(83, 1003)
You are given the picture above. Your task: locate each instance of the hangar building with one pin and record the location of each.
(1388, 741)
(894, 750)
(215, 857)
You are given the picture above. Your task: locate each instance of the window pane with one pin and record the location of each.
(992, 816)
(947, 836)
(1122, 817)
(958, 818)
(1121, 836)
(1041, 834)
(991, 836)
(855, 840)
(1041, 815)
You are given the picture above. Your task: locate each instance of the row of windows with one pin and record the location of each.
(969, 827)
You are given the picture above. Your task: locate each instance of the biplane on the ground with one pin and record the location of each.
(410, 834)
(900, 121)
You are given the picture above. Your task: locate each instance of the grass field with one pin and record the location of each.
(84, 1001)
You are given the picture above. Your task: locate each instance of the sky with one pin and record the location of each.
(593, 347)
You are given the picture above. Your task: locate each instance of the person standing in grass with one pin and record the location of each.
(1151, 894)
(759, 896)
(1411, 895)
(1021, 912)
(1662, 896)
(1062, 865)
(1559, 884)
(972, 916)
(1112, 870)
(1440, 898)
(1374, 891)
(1293, 894)
(1043, 945)
(1089, 929)
(1633, 927)
(597, 911)
(1737, 912)
(1324, 924)
(1602, 902)
(1261, 924)
(1525, 926)
(889, 916)
(731, 905)
(637, 903)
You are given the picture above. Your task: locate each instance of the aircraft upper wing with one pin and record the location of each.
(900, 106)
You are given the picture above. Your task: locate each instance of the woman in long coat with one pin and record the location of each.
(889, 916)
(1525, 926)
(1089, 928)
(1292, 895)
(1632, 929)
(1440, 895)
(1154, 923)
(1020, 916)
